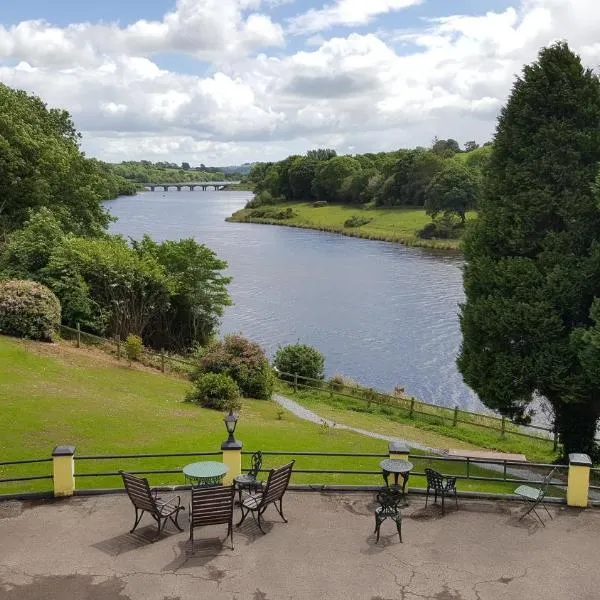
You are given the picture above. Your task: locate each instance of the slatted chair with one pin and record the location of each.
(146, 500)
(389, 508)
(212, 506)
(534, 496)
(440, 484)
(249, 481)
(273, 492)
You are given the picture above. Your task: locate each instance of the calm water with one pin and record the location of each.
(381, 313)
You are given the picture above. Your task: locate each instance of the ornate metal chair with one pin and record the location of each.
(535, 496)
(146, 500)
(440, 484)
(272, 493)
(249, 481)
(212, 506)
(389, 508)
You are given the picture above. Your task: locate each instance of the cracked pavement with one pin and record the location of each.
(80, 548)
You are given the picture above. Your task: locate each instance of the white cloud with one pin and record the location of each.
(346, 13)
(359, 92)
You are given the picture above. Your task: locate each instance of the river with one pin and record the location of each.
(381, 313)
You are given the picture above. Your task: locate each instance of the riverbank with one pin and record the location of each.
(400, 225)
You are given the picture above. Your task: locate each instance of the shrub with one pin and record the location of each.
(356, 221)
(272, 213)
(243, 360)
(319, 203)
(215, 390)
(28, 309)
(264, 198)
(337, 382)
(133, 347)
(304, 360)
(442, 229)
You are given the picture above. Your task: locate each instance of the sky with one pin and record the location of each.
(224, 82)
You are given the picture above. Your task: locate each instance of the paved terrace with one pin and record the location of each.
(79, 549)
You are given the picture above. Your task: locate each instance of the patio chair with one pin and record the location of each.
(272, 493)
(389, 508)
(146, 500)
(440, 484)
(212, 506)
(534, 496)
(249, 481)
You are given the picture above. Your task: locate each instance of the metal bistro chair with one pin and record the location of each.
(212, 506)
(249, 481)
(272, 493)
(146, 500)
(389, 508)
(440, 484)
(535, 496)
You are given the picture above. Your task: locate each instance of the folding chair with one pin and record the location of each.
(535, 496)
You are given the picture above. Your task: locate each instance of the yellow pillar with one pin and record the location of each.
(398, 451)
(232, 458)
(579, 480)
(63, 470)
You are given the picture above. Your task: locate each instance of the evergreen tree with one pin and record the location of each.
(533, 257)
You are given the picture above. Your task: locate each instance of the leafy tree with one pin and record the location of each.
(445, 148)
(529, 323)
(283, 186)
(321, 154)
(330, 175)
(471, 145)
(301, 175)
(355, 188)
(451, 191)
(299, 359)
(185, 166)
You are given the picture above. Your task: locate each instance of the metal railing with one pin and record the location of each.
(11, 463)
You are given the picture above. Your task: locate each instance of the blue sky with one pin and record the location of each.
(217, 81)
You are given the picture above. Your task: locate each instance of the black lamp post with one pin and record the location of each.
(230, 423)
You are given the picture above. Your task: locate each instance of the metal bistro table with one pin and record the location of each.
(397, 467)
(205, 473)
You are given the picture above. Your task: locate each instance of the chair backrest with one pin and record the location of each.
(388, 500)
(211, 505)
(435, 480)
(546, 482)
(139, 492)
(256, 465)
(277, 483)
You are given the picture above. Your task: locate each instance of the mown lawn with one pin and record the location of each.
(55, 394)
(387, 224)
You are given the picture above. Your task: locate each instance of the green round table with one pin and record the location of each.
(205, 473)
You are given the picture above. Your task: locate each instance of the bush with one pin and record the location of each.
(442, 228)
(28, 309)
(356, 221)
(243, 360)
(301, 359)
(337, 383)
(133, 347)
(215, 390)
(319, 203)
(264, 198)
(272, 213)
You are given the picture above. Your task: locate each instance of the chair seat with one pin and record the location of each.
(252, 501)
(388, 512)
(166, 507)
(528, 492)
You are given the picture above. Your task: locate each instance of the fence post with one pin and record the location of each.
(118, 347)
(78, 344)
(162, 360)
(295, 382)
(503, 427)
(412, 406)
(63, 470)
(578, 484)
(455, 421)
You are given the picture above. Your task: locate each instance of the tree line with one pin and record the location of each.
(145, 171)
(54, 231)
(443, 179)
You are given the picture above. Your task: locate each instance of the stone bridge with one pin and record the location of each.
(192, 185)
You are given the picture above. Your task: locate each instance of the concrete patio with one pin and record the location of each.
(80, 549)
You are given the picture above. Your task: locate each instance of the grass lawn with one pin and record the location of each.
(388, 224)
(54, 394)
(430, 430)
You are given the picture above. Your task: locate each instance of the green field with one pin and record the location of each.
(54, 394)
(388, 224)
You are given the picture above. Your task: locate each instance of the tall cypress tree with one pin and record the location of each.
(533, 255)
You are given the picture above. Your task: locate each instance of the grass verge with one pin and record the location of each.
(387, 224)
(55, 394)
